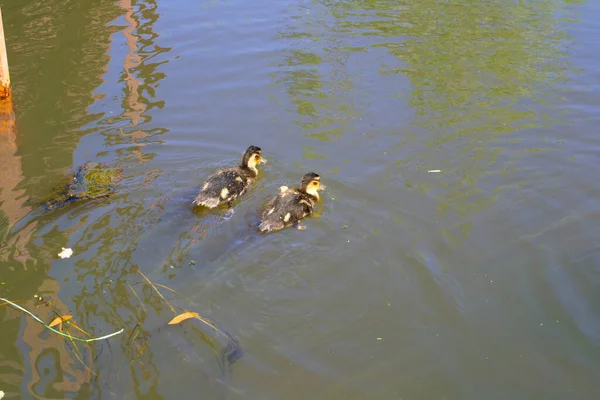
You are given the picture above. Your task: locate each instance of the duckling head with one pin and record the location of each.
(311, 184)
(252, 157)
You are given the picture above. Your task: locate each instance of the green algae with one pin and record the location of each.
(90, 181)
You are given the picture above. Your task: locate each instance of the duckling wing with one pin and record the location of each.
(223, 186)
(288, 208)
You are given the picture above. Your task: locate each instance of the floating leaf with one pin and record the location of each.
(183, 317)
(60, 320)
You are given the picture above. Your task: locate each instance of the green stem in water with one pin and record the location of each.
(56, 330)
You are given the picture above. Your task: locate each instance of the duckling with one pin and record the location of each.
(291, 205)
(227, 184)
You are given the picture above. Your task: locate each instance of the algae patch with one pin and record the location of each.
(90, 181)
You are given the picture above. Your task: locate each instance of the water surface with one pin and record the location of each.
(481, 280)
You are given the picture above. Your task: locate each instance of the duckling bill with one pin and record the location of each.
(227, 184)
(290, 206)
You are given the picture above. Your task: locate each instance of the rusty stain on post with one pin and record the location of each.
(4, 75)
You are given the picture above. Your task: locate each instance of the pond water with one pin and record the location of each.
(454, 254)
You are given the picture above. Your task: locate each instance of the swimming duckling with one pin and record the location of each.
(227, 184)
(291, 205)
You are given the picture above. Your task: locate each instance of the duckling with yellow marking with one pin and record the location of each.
(291, 205)
(227, 184)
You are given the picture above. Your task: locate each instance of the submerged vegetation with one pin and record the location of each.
(60, 324)
(92, 181)
(227, 355)
(58, 321)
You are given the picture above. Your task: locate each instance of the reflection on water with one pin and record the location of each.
(43, 138)
(476, 70)
(477, 279)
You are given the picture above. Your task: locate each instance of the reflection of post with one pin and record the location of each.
(135, 108)
(44, 345)
(11, 200)
(132, 59)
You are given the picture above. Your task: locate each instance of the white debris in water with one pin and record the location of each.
(65, 253)
(432, 171)
(1, 394)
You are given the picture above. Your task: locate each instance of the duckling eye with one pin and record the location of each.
(257, 157)
(315, 183)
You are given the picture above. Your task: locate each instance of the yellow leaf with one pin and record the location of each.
(60, 320)
(183, 317)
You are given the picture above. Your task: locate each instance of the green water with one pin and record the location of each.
(454, 255)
